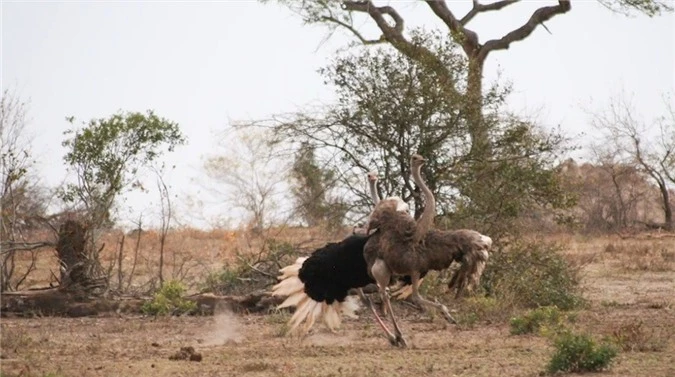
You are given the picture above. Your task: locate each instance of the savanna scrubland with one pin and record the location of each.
(581, 276)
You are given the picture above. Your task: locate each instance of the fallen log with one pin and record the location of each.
(58, 303)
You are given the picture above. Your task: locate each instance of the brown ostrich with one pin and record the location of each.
(392, 249)
(403, 247)
(442, 247)
(318, 285)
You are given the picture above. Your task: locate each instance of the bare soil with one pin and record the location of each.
(253, 345)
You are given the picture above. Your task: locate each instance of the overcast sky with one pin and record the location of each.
(206, 64)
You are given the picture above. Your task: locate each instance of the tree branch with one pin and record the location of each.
(21, 246)
(394, 35)
(356, 33)
(478, 8)
(467, 38)
(540, 15)
(377, 13)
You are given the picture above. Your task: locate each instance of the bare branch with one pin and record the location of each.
(377, 13)
(478, 8)
(12, 246)
(351, 28)
(394, 35)
(538, 17)
(467, 38)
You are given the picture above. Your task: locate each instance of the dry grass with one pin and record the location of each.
(637, 337)
(189, 254)
(633, 306)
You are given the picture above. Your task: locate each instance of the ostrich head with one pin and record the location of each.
(372, 176)
(417, 160)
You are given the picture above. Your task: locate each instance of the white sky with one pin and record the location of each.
(206, 64)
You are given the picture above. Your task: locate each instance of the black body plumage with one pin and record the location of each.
(331, 271)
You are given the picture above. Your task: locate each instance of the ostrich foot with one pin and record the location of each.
(446, 313)
(413, 305)
(398, 341)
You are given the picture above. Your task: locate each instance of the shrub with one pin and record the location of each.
(541, 320)
(532, 275)
(168, 300)
(224, 281)
(580, 353)
(485, 309)
(253, 270)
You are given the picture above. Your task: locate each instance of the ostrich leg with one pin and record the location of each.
(382, 275)
(419, 300)
(392, 338)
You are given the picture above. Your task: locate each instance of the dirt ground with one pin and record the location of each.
(252, 345)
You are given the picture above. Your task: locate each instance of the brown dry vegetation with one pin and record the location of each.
(630, 285)
(190, 254)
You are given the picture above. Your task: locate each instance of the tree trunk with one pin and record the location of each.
(668, 210)
(77, 269)
(480, 143)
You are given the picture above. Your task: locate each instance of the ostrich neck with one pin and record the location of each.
(373, 192)
(426, 220)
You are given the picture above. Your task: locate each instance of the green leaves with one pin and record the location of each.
(532, 275)
(169, 300)
(107, 153)
(649, 8)
(578, 353)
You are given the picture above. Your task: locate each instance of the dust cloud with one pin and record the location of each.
(225, 328)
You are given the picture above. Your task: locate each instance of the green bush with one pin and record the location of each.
(541, 320)
(253, 269)
(532, 275)
(224, 281)
(169, 301)
(577, 353)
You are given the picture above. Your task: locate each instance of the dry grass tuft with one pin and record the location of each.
(654, 256)
(635, 337)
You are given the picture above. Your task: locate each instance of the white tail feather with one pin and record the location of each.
(487, 241)
(350, 306)
(292, 300)
(331, 316)
(302, 312)
(293, 269)
(314, 314)
(307, 310)
(288, 287)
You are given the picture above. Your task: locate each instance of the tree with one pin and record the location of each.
(390, 107)
(342, 14)
(629, 138)
(252, 172)
(312, 186)
(22, 200)
(107, 155)
(612, 195)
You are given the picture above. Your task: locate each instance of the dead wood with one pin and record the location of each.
(59, 303)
